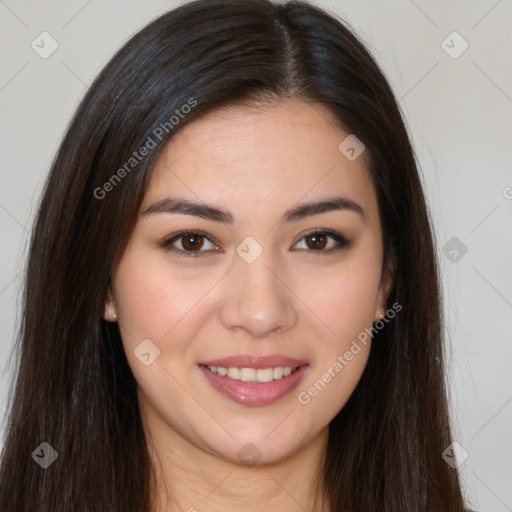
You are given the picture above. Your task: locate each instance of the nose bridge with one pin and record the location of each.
(256, 298)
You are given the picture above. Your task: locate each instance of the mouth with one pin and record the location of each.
(254, 381)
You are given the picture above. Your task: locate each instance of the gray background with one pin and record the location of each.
(458, 112)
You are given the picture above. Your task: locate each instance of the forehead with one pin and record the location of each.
(271, 155)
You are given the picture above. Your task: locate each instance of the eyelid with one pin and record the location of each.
(168, 241)
(339, 238)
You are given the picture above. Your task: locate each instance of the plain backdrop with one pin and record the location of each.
(457, 101)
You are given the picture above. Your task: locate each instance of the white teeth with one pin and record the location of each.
(278, 372)
(234, 373)
(265, 375)
(253, 374)
(247, 374)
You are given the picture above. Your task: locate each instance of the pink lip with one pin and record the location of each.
(255, 393)
(253, 361)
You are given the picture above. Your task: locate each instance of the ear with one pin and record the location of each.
(109, 312)
(386, 283)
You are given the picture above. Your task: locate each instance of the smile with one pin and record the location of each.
(254, 386)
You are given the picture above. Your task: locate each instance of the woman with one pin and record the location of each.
(232, 295)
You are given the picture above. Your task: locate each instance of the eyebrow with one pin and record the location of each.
(208, 212)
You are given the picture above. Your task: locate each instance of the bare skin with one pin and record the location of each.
(297, 298)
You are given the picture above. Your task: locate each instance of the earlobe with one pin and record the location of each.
(385, 288)
(382, 302)
(109, 312)
(380, 316)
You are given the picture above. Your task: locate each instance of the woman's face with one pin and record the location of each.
(255, 289)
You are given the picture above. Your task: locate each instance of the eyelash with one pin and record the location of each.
(340, 240)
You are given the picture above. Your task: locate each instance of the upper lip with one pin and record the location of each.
(254, 361)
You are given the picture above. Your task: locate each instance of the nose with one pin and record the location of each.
(257, 299)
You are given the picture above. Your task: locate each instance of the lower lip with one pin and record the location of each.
(255, 393)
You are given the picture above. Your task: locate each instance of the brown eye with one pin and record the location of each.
(316, 241)
(188, 243)
(192, 242)
(322, 242)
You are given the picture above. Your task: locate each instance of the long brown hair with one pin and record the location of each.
(74, 389)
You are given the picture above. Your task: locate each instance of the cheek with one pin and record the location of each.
(157, 305)
(329, 389)
(153, 302)
(341, 356)
(345, 299)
